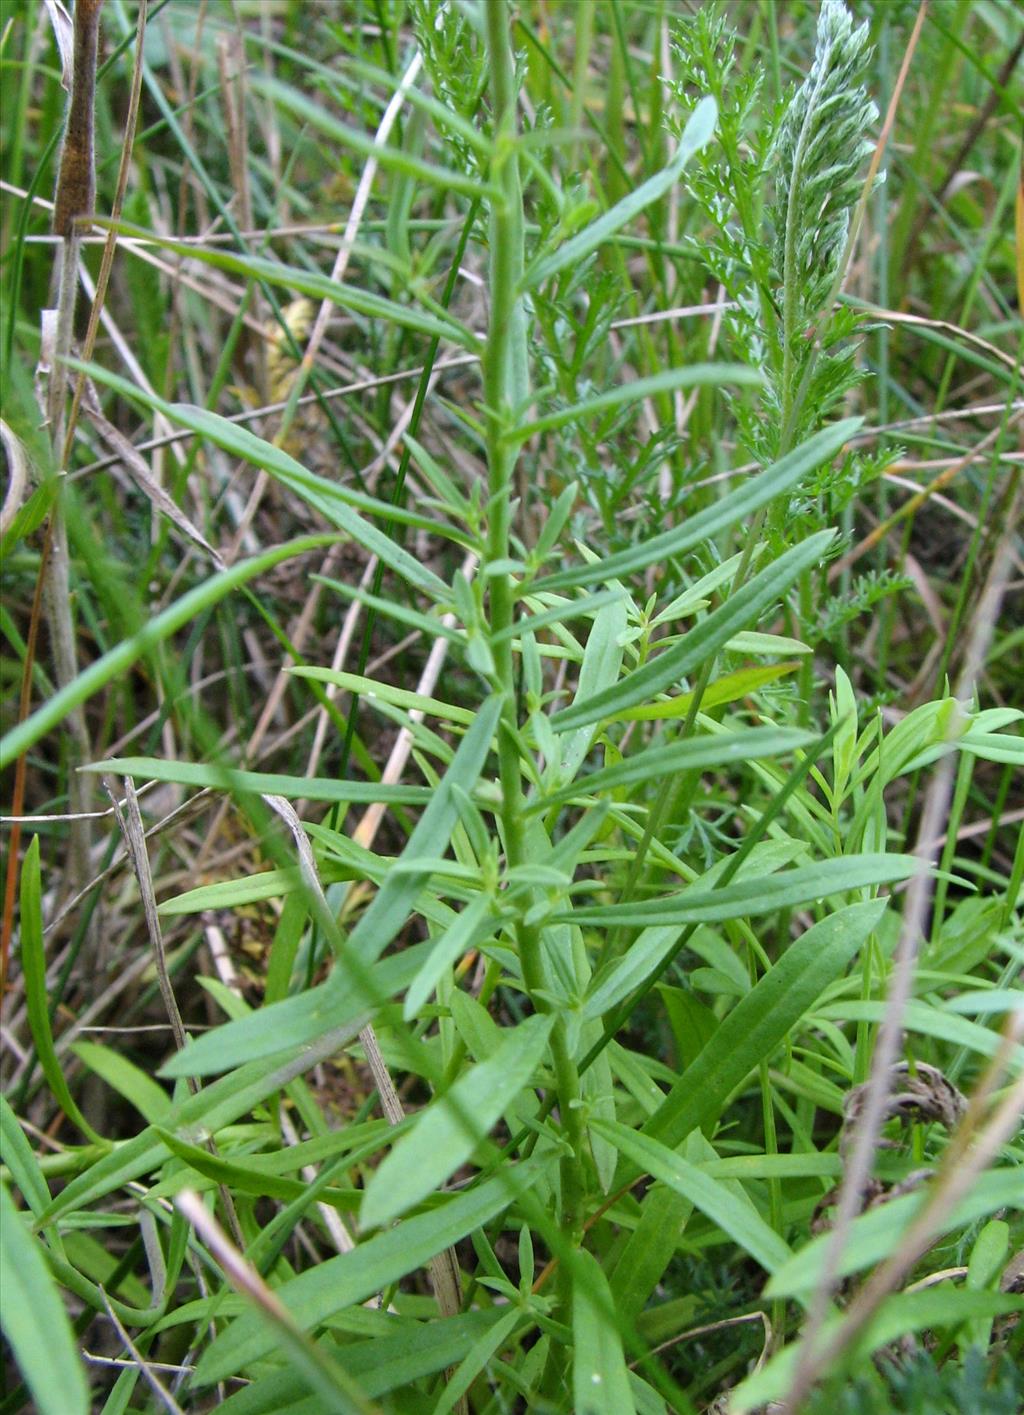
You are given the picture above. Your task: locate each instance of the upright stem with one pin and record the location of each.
(501, 395)
(505, 394)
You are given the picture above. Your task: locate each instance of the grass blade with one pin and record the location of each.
(119, 659)
(35, 1323)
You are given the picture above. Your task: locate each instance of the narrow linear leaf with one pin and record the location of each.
(476, 1360)
(306, 282)
(629, 971)
(20, 1160)
(927, 1021)
(444, 179)
(118, 660)
(432, 625)
(995, 747)
(748, 497)
(37, 1002)
(449, 1130)
(602, 661)
(243, 1179)
(229, 893)
(225, 778)
(704, 640)
(739, 1220)
(128, 1080)
(470, 928)
(430, 838)
(898, 1316)
(875, 1234)
(380, 1363)
(329, 499)
(799, 1166)
(699, 752)
(34, 1320)
(239, 442)
(726, 689)
(348, 998)
(342, 1005)
(696, 135)
(755, 896)
(341, 1282)
(221, 1103)
(339, 1148)
(648, 1249)
(755, 645)
(600, 1376)
(668, 381)
(559, 614)
(370, 689)
(760, 1021)
(982, 1002)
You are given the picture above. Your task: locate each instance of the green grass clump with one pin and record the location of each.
(511, 710)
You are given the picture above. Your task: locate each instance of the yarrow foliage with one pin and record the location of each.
(817, 155)
(781, 260)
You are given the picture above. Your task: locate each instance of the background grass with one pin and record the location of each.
(649, 812)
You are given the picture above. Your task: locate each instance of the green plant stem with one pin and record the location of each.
(505, 390)
(499, 378)
(584, 38)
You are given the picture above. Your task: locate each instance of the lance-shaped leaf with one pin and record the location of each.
(341, 1282)
(448, 1132)
(762, 895)
(747, 498)
(760, 1020)
(696, 134)
(704, 640)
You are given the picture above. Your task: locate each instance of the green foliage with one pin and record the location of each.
(535, 1037)
(780, 260)
(817, 155)
(918, 1387)
(34, 1320)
